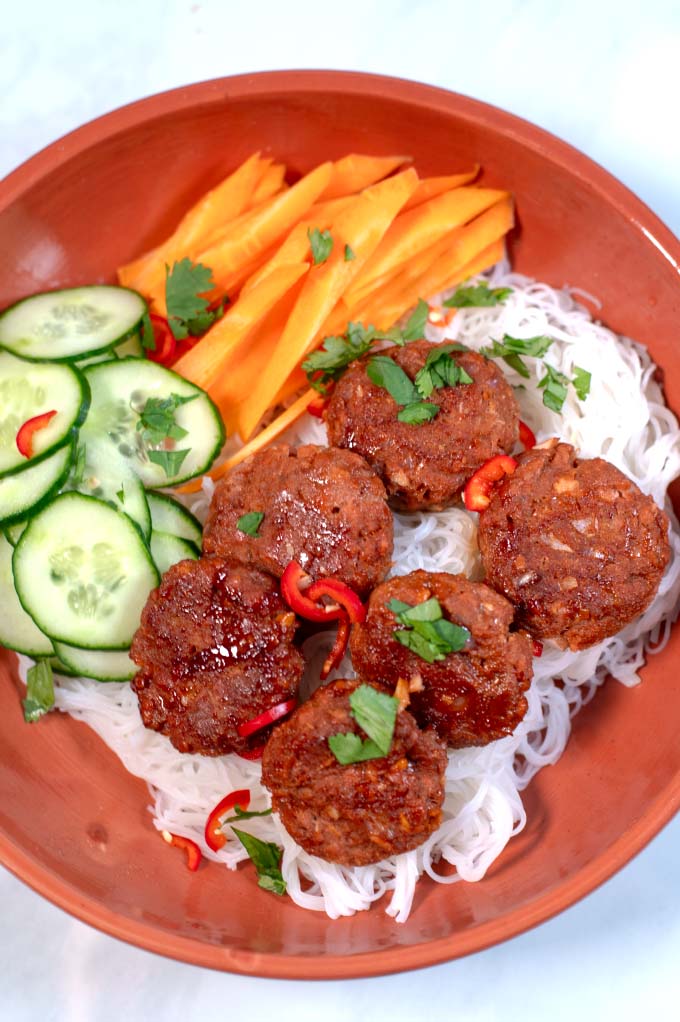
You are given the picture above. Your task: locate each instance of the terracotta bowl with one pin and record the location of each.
(73, 824)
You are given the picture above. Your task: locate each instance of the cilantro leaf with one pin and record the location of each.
(329, 362)
(250, 522)
(170, 461)
(385, 373)
(350, 748)
(415, 325)
(375, 712)
(510, 349)
(350, 254)
(266, 858)
(121, 494)
(554, 387)
(427, 633)
(39, 691)
(418, 412)
(581, 382)
(188, 311)
(321, 244)
(242, 814)
(147, 336)
(477, 296)
(157, 419)
(440, 370)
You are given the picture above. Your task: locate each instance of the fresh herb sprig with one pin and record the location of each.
(426, 631)
(158, 427)
(478, 296)
(376, 714)
(554, 384)
(250, 522)
(321, 244)
(440, 370)
(39, 691)
(266, 857)
(189, 312)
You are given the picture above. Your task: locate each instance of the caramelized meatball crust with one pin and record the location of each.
(471, 697)
(424, 467)
(363, 812)
(323, 507)
(214, 649)
(574, 545)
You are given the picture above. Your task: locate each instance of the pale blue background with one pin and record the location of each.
(603, 76)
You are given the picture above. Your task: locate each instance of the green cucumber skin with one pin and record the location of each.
(221, 437)
(186, 526)
(81, 354)
(167, 549)
(86, 400)
(63, 652)
(143, 545)
(32, 510)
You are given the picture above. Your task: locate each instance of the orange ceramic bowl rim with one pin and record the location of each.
(658, 813)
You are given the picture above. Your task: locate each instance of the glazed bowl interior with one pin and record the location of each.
(73, 823)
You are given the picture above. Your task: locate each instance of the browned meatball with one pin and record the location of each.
(425, 466)
(322, 507)
(363, 812)
(574, 545)
(470, 697)
(214, 650)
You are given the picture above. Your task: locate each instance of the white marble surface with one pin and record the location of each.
(603, 76)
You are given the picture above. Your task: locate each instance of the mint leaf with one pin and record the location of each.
(581, 382)
(39, 691)
(188, 311)
(321, 244)
(266, 858)
(250, 522)
(477, 296)
(418, 412)
(349, 254)
(385, 373)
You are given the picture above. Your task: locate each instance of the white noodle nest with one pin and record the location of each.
(623, 419)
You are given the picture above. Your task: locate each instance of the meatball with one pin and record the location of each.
(574, 545)
(322, 507)
(424, 467)
(363, 812)
(470, 697)
(214, 650)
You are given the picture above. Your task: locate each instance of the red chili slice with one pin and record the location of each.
(538, 647)
(478, 488)
(339, 593)
(334, 658)
(318, 405)
(293, 581)
(29, 429)
(166, 346)
(214, 838)
(526, 436)
(268, 717)
(193, 852)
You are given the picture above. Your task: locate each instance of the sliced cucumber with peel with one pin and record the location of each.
(100, 664)
(101, 471)
(120, 392)
(24, 493)
(167, 550)
(131, 346)
(18, 631)
(64, 325)
(168, 515)
(13, 532)
(83, 572)
(30, 389)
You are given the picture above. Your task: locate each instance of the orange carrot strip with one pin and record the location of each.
(417, 229)
(271, 432)
(270, 183)
(214, 208)
(430, 187)
(361, 226)
(355, 172)
(216, 352)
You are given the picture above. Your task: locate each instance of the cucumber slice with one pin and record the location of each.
(18, 631)
(120, 392)
(63, 325)
(13, 532)
(104, 356)
(167, 550)
(168, 515)
(131, 347)
(100, 471)
(24, 493)
(28, 389)
(100, 664)
(60, 668)
(83, 572)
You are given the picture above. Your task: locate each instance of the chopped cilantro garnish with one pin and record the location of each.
(510, 349)
(477, 296)
(121, 494)
(147, 335)
(250, 522)
(415, 325)
(385, 373)
(266, 858)
(242, 814)
(376, 713)
(170, 461)
(581, 382)
(350, 254)
(427, 633)
(554, 387)
(321, 244)
(440, 370)
(418, 412)
(39, 691)
(157, 419)
(336, 353)
(188, 311)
